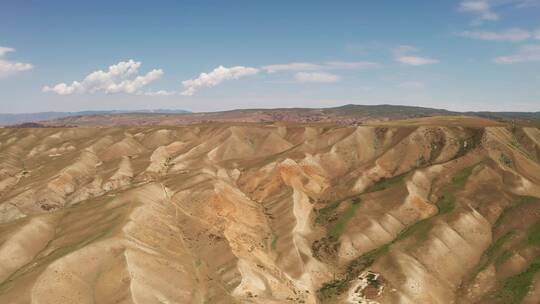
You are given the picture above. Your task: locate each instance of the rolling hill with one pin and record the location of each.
(428, 210)
(344, 115)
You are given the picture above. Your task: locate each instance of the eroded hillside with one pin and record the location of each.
(246, 213)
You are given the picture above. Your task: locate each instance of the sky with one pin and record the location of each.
(199, 55)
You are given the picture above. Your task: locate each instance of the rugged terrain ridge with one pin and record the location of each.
(442, 210)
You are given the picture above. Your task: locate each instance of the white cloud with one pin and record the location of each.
(416, 60)
(11, 67)
(158, 93)
(287, 67)
(404, 49)
(403, 54)
(114, 80)
(316, 77)
(482, 8)
(411, 85)
(513, 35)
(485, 9)
(307, 66)
(354, 65)
(526, 53)
(4, 50)
(132, 86)
(524, 3)
(217, 76)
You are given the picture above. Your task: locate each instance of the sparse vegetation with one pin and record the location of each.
(491, 253)
(328, 245)
(517, 145)
(519, 201)
(470, 143)
(336, 231)
(274, 240)
(421, 228)
(378, 139)
(461, 177)
(326, 214)
(495, 246)
(338, 286)
(504, 257)
(515, 288)
(228, 205)
(446, 203)
(325, 247)
(534, 234)
(385, 183)
(506, 160)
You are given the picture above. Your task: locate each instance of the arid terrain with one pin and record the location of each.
(351, 114)
(431, 210)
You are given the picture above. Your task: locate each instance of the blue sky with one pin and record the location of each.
(218, 55)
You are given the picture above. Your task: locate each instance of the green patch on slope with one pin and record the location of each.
(446, 203)
(420, 229)
(354, 269)
(324, 215)
(385, 183)
(504, 257)
(274, 240)
(336, 231)
(534, 234)
(360, 264)
(515, 288)
(491, 253)
(517, 202)
(461, 177)
(498, 243)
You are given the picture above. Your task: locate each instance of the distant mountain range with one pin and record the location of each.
(16, 118)
(347, 114)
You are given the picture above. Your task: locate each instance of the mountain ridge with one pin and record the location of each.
(429, 210)
(349, 114)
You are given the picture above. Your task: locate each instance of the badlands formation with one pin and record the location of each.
(433, 211)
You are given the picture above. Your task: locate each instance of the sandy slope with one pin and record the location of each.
(408, 212)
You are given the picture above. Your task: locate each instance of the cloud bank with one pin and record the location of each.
(513, 35)
(307, 66)
(118, 78)
(411, 85)
(215, 77)
(527, 53)
(7, 67)
(405, 54)
(158, 93)
(484, 10)
(481, 8)
(316, 77)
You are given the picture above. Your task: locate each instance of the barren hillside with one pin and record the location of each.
(424, 211)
